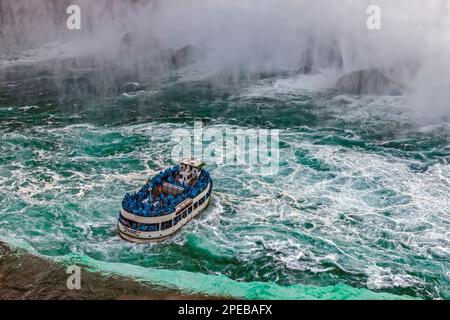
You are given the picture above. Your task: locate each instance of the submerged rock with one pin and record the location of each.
(371, 81)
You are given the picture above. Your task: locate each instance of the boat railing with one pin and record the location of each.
(172, 189)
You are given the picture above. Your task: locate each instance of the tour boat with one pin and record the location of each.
(166, 203)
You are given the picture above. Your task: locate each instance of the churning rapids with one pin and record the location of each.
(360, 206)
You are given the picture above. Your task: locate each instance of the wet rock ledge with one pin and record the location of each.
(27, 277)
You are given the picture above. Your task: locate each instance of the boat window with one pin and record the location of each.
(195, 205)
(122, 219)
(143, 227)
(189, 211)
(201, 200)
(153, 227)
(166, 225)
(176, 219)
(184, 214)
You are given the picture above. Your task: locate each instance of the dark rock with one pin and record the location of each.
(30, 277)
(131, 87)
(370, 81)
(183, 56)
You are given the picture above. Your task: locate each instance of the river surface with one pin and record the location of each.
(359, 207)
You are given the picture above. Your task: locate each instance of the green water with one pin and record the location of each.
(358, 209)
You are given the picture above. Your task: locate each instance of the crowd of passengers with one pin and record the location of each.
(151, 201)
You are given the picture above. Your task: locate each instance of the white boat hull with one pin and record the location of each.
(136, 236)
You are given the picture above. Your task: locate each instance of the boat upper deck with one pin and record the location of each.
(165, 192)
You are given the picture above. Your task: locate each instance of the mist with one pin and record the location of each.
(133, 40)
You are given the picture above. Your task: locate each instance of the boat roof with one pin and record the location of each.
(192, 162)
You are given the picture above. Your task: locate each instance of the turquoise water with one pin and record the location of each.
(359, 208)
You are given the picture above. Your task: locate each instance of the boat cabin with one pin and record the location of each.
(189, 171)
